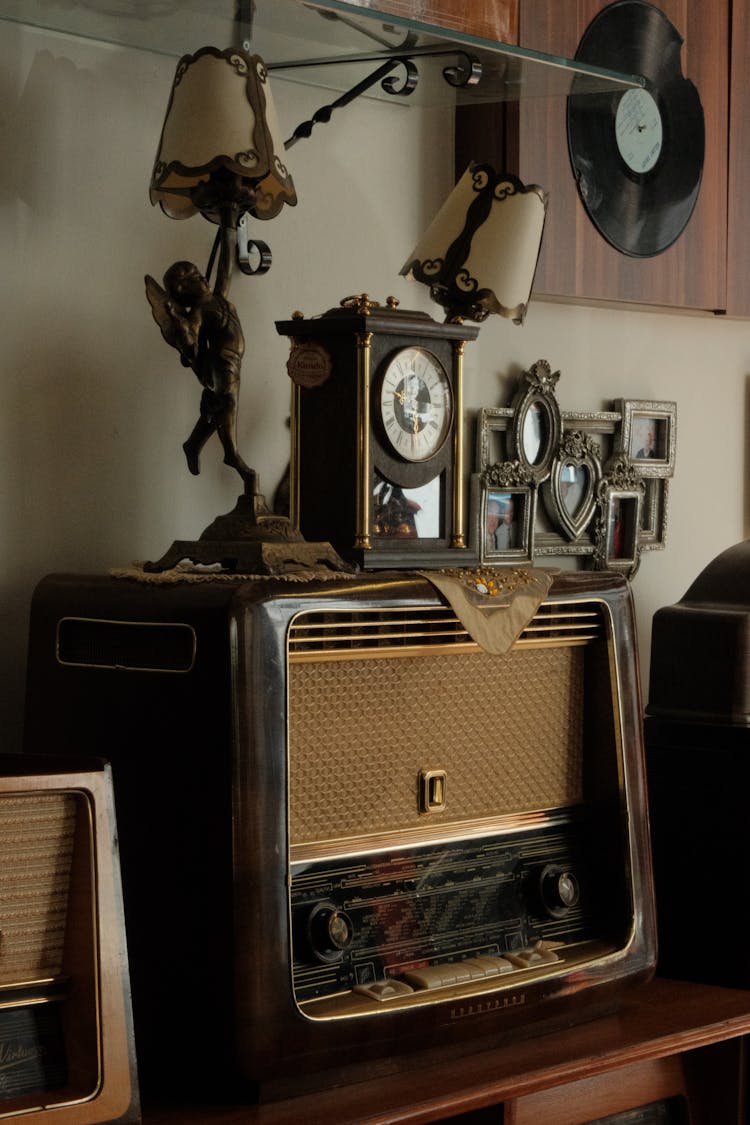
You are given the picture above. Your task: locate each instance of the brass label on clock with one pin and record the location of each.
(309, 364)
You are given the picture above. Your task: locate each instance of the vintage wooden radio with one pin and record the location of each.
(348, 833)
(66, 1034)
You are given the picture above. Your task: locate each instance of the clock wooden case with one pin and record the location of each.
(377, 466)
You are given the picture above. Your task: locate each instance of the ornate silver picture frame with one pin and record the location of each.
(504, 509)
(648, 436)
(593, 486)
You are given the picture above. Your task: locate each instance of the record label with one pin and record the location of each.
(637, 156)
(639, 130)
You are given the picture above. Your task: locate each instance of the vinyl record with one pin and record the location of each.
(637, 155)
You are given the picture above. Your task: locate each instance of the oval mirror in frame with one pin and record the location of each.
(535, 431)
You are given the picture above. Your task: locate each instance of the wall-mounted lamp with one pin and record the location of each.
(480, 252)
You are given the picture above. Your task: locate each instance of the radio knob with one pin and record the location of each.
(558, 889)
(329, 931)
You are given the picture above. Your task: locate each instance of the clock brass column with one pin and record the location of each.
(458, 538)
(363, 527)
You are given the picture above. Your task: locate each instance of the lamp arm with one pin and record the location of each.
(227, 236)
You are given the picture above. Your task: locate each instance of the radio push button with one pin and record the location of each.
(457, 972)
(541, 953)
(388, 989)
(330, 931)
(488, 966)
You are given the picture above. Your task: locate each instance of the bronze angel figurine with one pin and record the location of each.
(203, 326)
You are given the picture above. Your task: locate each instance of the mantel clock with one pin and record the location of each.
(377, 434)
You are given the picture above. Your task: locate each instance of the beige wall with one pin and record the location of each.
(94, 407)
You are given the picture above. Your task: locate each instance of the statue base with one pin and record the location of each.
(251, 540)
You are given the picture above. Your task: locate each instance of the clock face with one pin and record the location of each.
(416, 404)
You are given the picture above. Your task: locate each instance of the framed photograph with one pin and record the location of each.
(504, 517)
(621, 521)
(648, 436)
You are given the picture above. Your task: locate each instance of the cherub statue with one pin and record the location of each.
(203, 326)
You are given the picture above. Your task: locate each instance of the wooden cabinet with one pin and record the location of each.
(669, 1041)
(708, 268)
(738, 244)
(576, 260)
(489, 19)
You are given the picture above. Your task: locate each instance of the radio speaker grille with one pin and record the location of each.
(36, 841)
(507, 731)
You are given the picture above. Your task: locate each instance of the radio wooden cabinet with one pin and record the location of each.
(232, 845)
(358, 835)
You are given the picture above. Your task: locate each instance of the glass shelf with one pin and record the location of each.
(331, 44)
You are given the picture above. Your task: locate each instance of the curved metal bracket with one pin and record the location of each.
(388, 82)
(468, 74)
(253, 255)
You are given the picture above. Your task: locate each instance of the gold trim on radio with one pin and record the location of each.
(350, 1005)
(31, 983)
(28, 1001)
(443, 833)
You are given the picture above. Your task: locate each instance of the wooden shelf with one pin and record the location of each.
(661, 1020)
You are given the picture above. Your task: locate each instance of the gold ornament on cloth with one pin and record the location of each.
(494, 604)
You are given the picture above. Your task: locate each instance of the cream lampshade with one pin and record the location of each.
(221, 140)
(479, 254)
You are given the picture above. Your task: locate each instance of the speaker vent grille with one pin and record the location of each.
(506, 730)
(145, 646)
(36, 840)
(388, 631)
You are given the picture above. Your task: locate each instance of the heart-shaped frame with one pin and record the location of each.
(570, 492)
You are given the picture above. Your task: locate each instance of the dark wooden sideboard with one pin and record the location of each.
(669, 1040)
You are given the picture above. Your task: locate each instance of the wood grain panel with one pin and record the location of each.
(576, 260)
(697, 1025)
(738, 244)
(589, 1099)
(489, 19)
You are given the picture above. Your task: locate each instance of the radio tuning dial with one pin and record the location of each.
(558, 889)
(329, 931)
